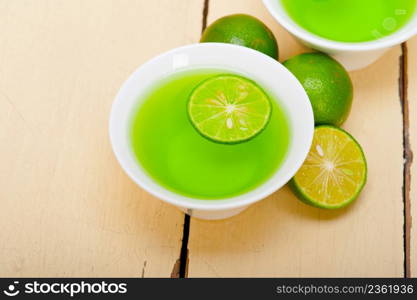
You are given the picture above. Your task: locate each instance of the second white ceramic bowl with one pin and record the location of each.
(352, 56)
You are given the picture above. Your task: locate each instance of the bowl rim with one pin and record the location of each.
(201, 204)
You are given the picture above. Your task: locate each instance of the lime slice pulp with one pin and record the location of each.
(334, 172)
(229, 109)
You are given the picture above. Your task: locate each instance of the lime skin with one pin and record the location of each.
(327, 84)
(243, 30)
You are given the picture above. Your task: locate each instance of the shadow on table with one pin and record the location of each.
(279, 219)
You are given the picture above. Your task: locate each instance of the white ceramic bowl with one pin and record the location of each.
(269, 73)
(352, 55)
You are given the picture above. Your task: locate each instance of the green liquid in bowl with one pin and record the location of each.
(350, 20)
(176, 156)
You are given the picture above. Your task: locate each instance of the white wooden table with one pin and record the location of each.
(67, 208)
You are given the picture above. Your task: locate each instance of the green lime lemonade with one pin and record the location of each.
(350, 20)
(178, 157)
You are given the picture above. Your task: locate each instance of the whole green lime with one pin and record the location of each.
(327, 84)
(243, 30)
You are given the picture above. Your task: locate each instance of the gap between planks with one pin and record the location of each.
(180, 269)
(407, 156)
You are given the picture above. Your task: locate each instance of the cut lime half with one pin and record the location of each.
(334, 172)
(229, 109)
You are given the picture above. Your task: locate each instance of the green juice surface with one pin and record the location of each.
(176, 156)
(350, 20)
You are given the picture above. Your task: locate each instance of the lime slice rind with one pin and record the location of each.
(229, 109)
(340, 170)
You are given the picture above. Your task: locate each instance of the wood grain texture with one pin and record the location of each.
(281, 236)
(412, 102)
(67, 208)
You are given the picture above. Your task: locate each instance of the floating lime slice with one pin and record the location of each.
(229, 109)
(334, 172)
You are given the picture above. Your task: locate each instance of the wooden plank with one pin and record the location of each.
(67, 208)
(281, 236)
(412, 103)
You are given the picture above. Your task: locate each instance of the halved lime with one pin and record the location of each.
(229, 109)
(334, 172)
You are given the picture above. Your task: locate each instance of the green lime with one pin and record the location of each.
(327, 84)
(229, 109)
(334, 172)
(243, 30)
